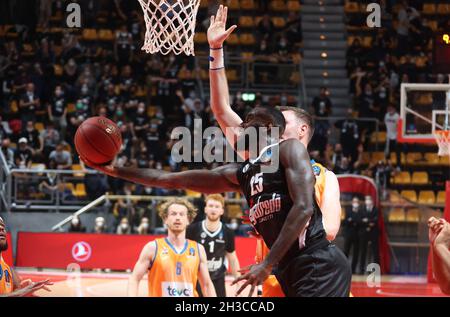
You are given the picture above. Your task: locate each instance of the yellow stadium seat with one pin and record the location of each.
(379, 137)
(426, 197)
(413, 157)
(77, 168)
(397, 215)
(247, 39)
(419, 178)
(69, 186)
(232, 4)
(367, 41)
(278, 5)
(293, 6)
(247, 56)
(105, 35)
(402, 178)
(90, 35)
(443, 9)
(376, 157)
(191, 193)
(440, 199)
(234, 211)
(80, 190)
(58, 70)
(278, 22)
(233, 39)
(444, 160)
(431, 159)
(429, 8)
(247, 5)
(433, 25)
(246, 22)
(200, 38)
(232, 74)
(39, 126)
(409, 195)
(394, 197)
(351, 7)
(413, 215)
(393, 158)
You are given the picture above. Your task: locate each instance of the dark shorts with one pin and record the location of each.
(323, 272)
(219, 285)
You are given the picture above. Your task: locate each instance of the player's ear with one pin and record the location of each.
(302, 130)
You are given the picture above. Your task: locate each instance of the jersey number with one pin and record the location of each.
(211, 247)
(256, 184)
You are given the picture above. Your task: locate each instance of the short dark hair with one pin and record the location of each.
(303, 116)
(273, 113)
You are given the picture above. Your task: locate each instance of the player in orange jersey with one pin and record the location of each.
(10, 282)
(174, 263)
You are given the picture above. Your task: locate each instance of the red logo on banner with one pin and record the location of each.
(81, 251)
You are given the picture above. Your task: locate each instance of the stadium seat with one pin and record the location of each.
(232, 75)
(191, 193)
(440, 199)
(247, 56)
(433, 25)
(426, 197)
(293, 6)
(378, 137)
(394, 197)
(77, 167)
(69, 186)
(443, 9)
(80, 190)
(351, 7)
(247, 39)
(397, 215)
(58, 70)
(233, 4)
(295, 78)
(393, 158)
(106, 35)
(412, 158)
(431, 159)
(367, 41)
(200, 38)
(409, 195)
(376, 157)
(444, 160)
(234, 211)
(412, 215)
(278, 22)
(402, 178)
(247, 5)
(39, 126)
(90, 35)
(278, 5)
(419, 178)
(429, 8)
(233, 39)
(246, 22)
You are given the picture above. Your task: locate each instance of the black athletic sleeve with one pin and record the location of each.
(229, 240)
(191, 232)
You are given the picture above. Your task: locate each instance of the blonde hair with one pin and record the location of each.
(303, 116)
(217, 197)
(163, 209)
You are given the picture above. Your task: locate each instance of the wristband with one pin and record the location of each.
(216, 60)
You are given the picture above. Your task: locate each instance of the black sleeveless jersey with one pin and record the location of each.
(270, 203)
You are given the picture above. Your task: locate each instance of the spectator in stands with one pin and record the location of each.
(70, 73)
(368, 233)
(29, 103)
(124, 227)
(294, 28)
(140, 122)
(366, 100)
(8, 153)
(403, 29)
(344, 166)
(322, 104)
(359, 162)
(123, 46)
(23, 157)
(45, 12)
(351, 226)
(355, 53)
(57, 110)
(337, 155)
(349, 135)
(76, 225)
(50, 138)
(60, 158)
(391, 121)
(381, 173)
(439, 235)
(144, 226)
(266, 28)
(5, 130)
(100, 225)
(34, 140)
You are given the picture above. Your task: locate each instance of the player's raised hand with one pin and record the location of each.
(443, 237)
(107, 169)
(217, 33)
(435, 226)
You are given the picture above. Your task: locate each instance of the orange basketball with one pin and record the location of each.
(98, 140)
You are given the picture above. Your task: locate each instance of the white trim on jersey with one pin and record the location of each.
(262, 152)
(215, 233)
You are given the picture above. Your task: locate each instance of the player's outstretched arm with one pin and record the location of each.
(440, 248)
(300, 179)
(29, 289)
(331, 206)
(140, 268)
(204, 278)
(228, 120)
(218, 180)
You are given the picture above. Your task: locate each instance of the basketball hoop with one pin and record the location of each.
(170, 26)
(443, 140)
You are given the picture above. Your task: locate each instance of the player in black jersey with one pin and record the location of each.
(283, 211)
(218, 241)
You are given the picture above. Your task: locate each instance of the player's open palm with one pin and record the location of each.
(217, 33)
(435, 226)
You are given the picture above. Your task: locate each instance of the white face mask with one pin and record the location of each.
(355, 205)
(145, 226)
(233, 225)
(75, 222)
(124, 226)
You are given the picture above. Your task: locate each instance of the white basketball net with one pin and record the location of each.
(443, 140)
(170, 25)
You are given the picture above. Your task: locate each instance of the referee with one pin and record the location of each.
(218, 241)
